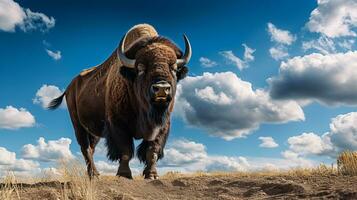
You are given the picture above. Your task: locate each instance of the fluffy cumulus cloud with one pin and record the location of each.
(9, 162)
(12, 15)
(13, 118)
(228, 107)
(309, 143)
(180, 156)
(292, 159)
(206, 62)
(53, 150)
(279, 35)
(342, 136)
(7, 157)
(330, 79)
(55, 55)
(189, 156)
(268, 142)
(238, 62)
(343, 132)
(46, 94)
(334, 18)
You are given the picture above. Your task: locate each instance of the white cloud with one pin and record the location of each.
(226, 163)
(323, 45)
(53, 150)
(46, 94)
(183, 152)
(229, 55)
(9, 162)
(308, 143)
(343, 131)
(206, 62)
(334, 18)
(282, 39)
(22, 165)
(184, 160)
(228, 107)
(37, 20)
(7, 157)
(330, 79)
(54, 55)
(106, 168)
(342, 136)
(248, 53)
(111, 168)
(101, 149)
(13, 118)
(279, 35)
(12, 15)
(278, 53)
(268, 142)
(189, 156)
(295, 160)
(238, 62)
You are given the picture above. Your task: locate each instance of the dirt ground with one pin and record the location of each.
(208, 187)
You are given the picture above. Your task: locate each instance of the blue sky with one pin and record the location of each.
(290, 80)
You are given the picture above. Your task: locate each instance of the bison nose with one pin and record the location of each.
(161, 89)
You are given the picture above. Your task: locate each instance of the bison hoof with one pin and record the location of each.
(125, 175)
(93, 174)
(151, 176)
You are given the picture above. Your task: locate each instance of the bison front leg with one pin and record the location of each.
(120, 147)
(150, 152)
(150, 171)
(124, 169)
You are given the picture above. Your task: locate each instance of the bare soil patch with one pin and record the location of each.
(228, 186)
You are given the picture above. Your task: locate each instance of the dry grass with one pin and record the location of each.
(321, 170)
(77, 185)
(347, 163)
(9, 188)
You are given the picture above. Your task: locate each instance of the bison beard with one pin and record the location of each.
(115, 101)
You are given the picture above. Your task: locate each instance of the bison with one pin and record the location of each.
(129, 96)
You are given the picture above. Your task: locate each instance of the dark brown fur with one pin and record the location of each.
(111, 101)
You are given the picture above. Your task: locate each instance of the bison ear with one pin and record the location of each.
(181, 73)
(128, 73)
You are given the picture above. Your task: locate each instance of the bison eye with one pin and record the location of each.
(174, 67)
(141, 69)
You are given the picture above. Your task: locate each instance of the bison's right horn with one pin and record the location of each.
(188, 53)
(122, 57)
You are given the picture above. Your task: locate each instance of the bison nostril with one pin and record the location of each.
(167, 90)
(155, 88)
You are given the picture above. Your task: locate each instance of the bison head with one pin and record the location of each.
(154, 65)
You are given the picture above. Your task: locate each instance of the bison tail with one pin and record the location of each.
(55, 103)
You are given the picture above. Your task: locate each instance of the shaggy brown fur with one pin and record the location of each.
(113, 101)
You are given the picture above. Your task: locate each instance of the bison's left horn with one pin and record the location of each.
(122, 57)
(188, 53)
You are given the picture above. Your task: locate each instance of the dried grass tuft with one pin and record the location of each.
(347, 163)
(77, 184)
(9, 188)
